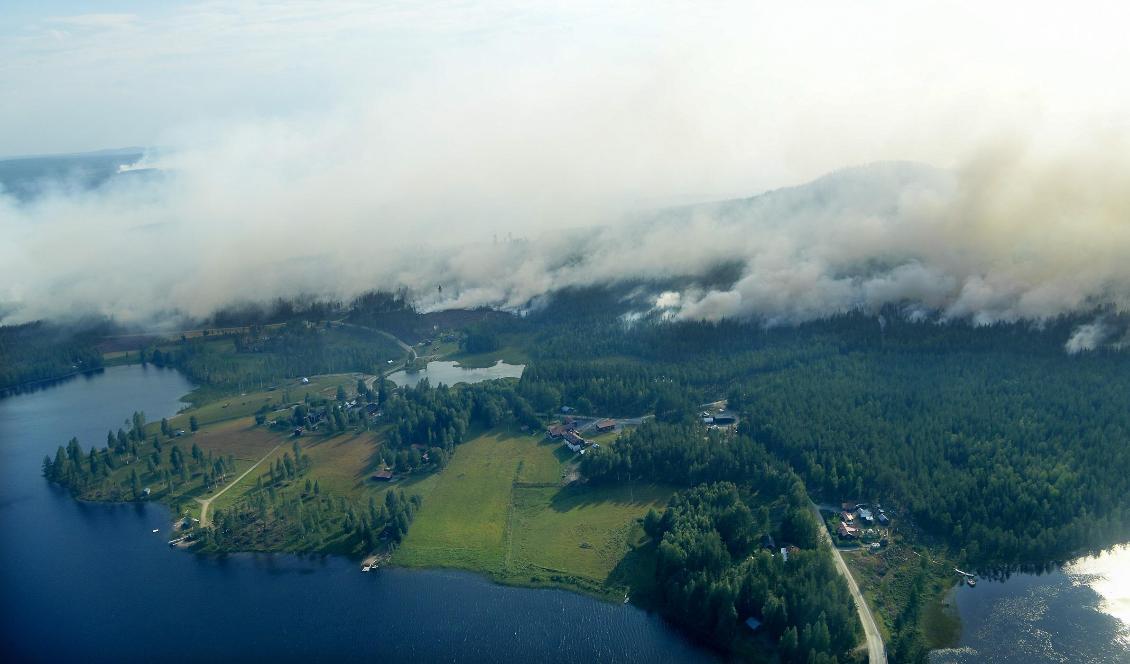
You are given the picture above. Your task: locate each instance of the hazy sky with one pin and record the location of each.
(334, 146)
(740, 94)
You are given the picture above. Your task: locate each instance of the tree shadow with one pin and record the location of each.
(636, 572)
(581, 495)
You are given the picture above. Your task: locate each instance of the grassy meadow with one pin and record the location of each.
(500, 507)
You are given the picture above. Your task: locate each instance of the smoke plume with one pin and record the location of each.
(502, 164)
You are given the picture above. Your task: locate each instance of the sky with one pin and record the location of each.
(420, 129)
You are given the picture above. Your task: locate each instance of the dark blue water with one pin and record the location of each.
(91, 582)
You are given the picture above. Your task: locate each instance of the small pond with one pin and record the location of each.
(450, 373)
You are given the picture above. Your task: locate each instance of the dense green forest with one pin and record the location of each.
(263, 356)
(713, 573)
(717, 546)
(40, 351)
(993, 438)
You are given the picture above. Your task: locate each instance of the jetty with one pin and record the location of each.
(970, 578)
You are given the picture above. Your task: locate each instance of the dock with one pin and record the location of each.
(371, 563)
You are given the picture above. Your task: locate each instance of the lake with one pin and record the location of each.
(1077, 613)
(450, 373)
(91, 582)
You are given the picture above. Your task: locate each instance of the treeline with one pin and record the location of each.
(1012, 458)
(713, 574)
(38, 352)
(265, 356)
(992, 437)
(685, 454)
(435, 420)
(279, 310)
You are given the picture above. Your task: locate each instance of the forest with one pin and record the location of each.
(717, 564)
(40, 351)
(263, 356)
(718, 559)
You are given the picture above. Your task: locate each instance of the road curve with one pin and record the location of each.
(206, 502)
(388, 335)
(876, 653)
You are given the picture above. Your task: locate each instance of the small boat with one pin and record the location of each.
(366, 568)
(971, 580)
(156, 530)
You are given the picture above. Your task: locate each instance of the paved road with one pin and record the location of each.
(876, 653)
(399, 342)
(206, 502)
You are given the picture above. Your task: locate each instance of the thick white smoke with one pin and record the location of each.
(1012, 235)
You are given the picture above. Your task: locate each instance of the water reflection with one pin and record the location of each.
(1079, 612)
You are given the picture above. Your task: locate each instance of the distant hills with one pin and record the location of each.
(27, 177)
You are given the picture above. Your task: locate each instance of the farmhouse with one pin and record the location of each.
(605, 425)
(556, 431)
(383, 475)
(847, 531)
(574, 441)
(866, 516)
(847, 517)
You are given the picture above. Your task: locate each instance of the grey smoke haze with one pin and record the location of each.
(569, 129)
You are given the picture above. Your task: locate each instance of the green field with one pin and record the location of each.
(500, 508)
(463, 520)
(579, 531)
